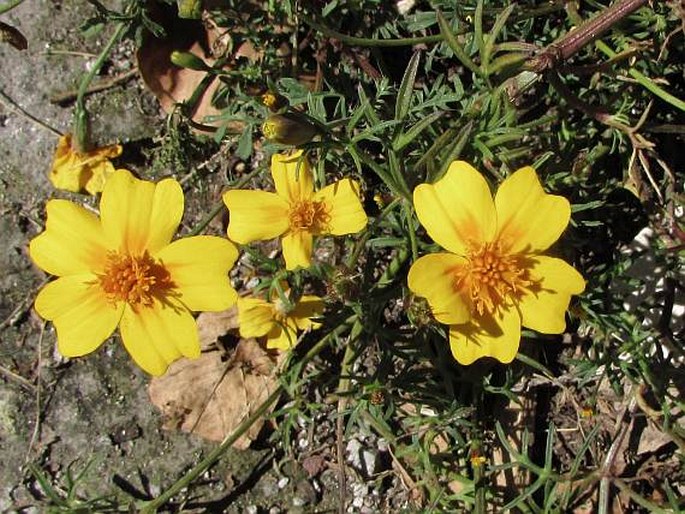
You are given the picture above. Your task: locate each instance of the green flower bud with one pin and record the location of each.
(189, 9)
(188, 60)
(289, 129)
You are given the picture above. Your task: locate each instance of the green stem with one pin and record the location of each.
(214, 455)
(9, 6)
(361, 243)
(642, 79)
(476, 451)
(370, 42)
(81, 113)
(152, 506)
(406, 206)
(219, 206)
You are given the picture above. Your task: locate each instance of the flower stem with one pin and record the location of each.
(219, 206)
(80, 112)
(9, 6)
(202, 466)
(476, 450)
(369, 42)
(214, 455)
(642, 79)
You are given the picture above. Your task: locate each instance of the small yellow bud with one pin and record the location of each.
(273, 101)
(188, 60)
(289, 129)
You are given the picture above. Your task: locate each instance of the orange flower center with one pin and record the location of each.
(310, 216)
(134, 280)
(492, 278)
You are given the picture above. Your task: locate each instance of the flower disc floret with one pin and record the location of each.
(494, 278)
(135, 280)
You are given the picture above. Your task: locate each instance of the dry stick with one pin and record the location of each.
(343, 388)
(11, 375)
(39, 364)
(606, 471)
(568, 45)
(70, 96)
(9, 103)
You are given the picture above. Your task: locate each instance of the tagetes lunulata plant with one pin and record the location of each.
(77, 171)
(295, 211)
(493, 278)
(278, 320)
(123, 269)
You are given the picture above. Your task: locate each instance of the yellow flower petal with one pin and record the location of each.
(199, 269)
(255, 317)
(80, 312)
(543, 308)
(282, 336)
(99, 174)
(73, 241)
(77, 171)
(255, 215)
(344, 207)
(308, 307)
(297, 249)
(433, 277)
(156, 336)
(458, 209)
(138, 215)
(496, 337)
(529, 220)
(292, 176)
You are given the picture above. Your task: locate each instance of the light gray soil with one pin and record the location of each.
(55, 413)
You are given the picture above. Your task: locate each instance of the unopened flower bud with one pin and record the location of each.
(273, 101)
(289, 129)
(188, 60)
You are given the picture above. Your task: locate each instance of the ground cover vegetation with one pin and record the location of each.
(455, 229)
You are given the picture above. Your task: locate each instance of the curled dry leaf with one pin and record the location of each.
(173, 84)
(211, 396)
(212, 325)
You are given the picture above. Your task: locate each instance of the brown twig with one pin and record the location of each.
(37, 392)
(67, 97)
(571, 43)
(12, 106)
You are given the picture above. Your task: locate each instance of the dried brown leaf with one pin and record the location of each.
(210, 397)
(213, 325)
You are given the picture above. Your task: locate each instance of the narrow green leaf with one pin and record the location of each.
(244, 149)
(407, 86)
(478, 31)
(509, 63)
(407, 137)
(454, 152)
(454, 45)
(494, 34)
(438, 144)
(368, 133)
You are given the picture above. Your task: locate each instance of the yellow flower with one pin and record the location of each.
(122, 269)
(259, 318)
(494, 278)
(295, 211)
(78, 171)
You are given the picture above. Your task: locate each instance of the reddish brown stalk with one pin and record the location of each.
(569, 44)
